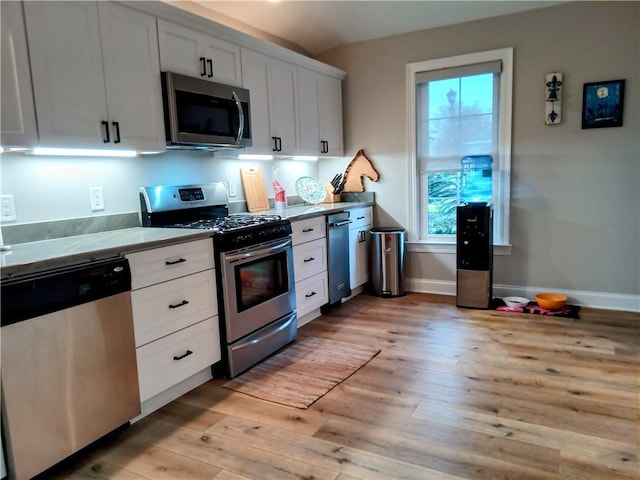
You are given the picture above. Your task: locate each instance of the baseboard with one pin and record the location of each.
(163, 398)
(605, 300)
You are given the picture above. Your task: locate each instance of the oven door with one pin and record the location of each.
(258, 286)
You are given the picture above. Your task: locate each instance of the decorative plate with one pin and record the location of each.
(310, 189)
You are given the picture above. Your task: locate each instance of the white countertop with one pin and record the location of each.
(30, 257)
(300, 212)
(26, 258)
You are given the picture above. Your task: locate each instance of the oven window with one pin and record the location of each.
(261, 280)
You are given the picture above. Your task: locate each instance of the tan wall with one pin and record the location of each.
(575, 193)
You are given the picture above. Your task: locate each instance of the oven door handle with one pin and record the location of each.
(251, 340)
(234, 257)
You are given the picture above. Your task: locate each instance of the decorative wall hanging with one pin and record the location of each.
(602, 104)
(553, 97)
(357, 169)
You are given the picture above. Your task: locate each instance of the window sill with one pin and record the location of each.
(424, 247)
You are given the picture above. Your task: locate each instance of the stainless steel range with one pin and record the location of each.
(254, 267)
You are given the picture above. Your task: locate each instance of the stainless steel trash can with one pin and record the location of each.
(387, 261)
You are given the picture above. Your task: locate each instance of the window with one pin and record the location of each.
(460, 141)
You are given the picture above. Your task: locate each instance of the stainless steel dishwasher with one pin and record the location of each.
(69, 372)
(338, 256)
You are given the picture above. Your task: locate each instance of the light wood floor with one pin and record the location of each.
(454, 394)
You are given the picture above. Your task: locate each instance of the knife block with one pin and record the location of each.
(330, 197)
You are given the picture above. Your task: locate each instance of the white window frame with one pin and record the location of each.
(502, 165)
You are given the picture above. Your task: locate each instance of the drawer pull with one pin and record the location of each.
(360, 218)
(186, 354)
(309, 295)
(181, 260)
(307, 230)
(181, 304)
(310, 259)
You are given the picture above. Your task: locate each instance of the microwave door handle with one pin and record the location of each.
(241, 116)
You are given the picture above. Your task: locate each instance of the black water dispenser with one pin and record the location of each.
(474, 255)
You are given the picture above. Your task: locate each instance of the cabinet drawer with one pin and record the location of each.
(165, 263)
(166, 362)
(360, 217)
(162, 309)
(311, 293)
(309, 229)
(309, 259)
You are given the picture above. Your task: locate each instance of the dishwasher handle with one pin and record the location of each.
(339, 224)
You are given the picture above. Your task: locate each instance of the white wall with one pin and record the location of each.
(575, 193)
(53, 188)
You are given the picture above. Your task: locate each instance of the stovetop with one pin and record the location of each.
(205, 207)
(228, 223)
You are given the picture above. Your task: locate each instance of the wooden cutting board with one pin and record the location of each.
(255, 192)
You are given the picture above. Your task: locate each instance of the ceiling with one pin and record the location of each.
(317, 26)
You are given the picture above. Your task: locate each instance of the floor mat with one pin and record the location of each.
(303, 372)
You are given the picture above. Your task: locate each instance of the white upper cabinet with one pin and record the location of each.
(319, 114)
(18, 114)
(81, 101)
(191, 53)
(132, 76)
(330, 115)
(273, 89)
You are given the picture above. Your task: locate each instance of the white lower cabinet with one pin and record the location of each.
(174, 358)
(310, 267)
(312, 293)
(175, 319)
(362, 222)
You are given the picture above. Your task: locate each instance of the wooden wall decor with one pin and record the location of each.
(357, 169)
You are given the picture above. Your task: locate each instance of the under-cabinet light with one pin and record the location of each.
(311, 158)
(253, 156)
(82, 152)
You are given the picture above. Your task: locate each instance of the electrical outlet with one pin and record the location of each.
(7, 208)
(232, 188)
(96, 199)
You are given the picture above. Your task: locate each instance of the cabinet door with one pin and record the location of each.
(223, 59)
(359, 256)
(255, 77)
(330, 114)
(66, 66)
(308, 117)
(282, 108)
(132, 77)
(180, 50)
(191, 53)
(18, 114)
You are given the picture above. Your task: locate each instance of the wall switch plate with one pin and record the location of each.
(232, 188)
(96, 198)
(7, 208)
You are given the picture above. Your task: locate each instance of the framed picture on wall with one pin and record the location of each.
(602, 104)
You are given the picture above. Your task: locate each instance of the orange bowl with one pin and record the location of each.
(551, 301)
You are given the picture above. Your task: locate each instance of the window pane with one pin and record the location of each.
(458, 113)
(477, 94)
(443, 194)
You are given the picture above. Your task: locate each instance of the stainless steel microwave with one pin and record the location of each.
(200, 114)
